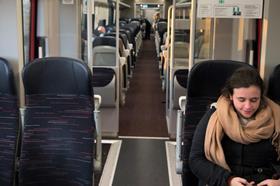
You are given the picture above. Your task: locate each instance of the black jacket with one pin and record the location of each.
(254, 162)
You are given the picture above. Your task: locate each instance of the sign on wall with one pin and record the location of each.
(230, 8)
(68, 2)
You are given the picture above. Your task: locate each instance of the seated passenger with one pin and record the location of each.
(238, 143)
(99, 31)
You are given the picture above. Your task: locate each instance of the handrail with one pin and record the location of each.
(192, 33)
(183, 5)
(89, 34)
(98, 158)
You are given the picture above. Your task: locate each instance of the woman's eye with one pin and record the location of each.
(241, 99)
(254, 100)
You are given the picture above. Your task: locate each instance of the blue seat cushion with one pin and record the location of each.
(57, 145)
(8, 138)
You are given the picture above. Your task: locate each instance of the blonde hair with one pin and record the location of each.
(156, 16)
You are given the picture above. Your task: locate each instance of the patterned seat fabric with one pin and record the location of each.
(58, 136)
(57, 142)
(8, 138)
(8, 124)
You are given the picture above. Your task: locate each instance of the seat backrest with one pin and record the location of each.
(122, 37)
(110, 28)
(104, 56)
(122, 46)
(128, 33)
(9, 124)
(104, 41)
(162, 28)
(274, 85)
(7, 85)
(122, 23)
(181, 50)
(205, 81)
(58, 137)
(104, 83)
(133, 28)
(182, 35)
(65, 78)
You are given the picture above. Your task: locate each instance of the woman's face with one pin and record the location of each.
(246, 101)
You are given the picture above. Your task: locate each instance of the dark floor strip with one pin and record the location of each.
(144, 111)
(142, 162)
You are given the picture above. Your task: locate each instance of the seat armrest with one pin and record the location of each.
(130, 46)
(165, 53)
(126, 52)
(98, 158)
(97, 101)
(182, 103)
(179, 123)
(163, 47)
(122, 61)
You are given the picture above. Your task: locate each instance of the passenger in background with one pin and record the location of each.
(147, 29)
(99, 31)
(156, 18)
(238, 143)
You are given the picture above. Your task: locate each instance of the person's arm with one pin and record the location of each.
(204, 169)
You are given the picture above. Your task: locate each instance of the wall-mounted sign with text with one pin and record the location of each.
(230, 8)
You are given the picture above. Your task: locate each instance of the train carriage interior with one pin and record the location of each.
(109, 92)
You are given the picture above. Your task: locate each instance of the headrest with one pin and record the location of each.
(207, 78)
(7, 84)
(162, 28)
(127, 33)
(110, 28)
(135, 19)
(104, 41)
(273, 86)
(57, 75)
(121, 36)
(133, 28)
(162, 20)
(104, 56)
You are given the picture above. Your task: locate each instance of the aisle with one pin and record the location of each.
(144, 111)
(142, 162)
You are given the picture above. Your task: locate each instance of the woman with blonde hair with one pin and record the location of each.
(156, 18)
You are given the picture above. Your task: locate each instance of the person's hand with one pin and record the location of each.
(237, 181)
(269, 182)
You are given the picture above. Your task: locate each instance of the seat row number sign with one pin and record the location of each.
(230, 8)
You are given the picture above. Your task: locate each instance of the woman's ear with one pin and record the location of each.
(230, 97)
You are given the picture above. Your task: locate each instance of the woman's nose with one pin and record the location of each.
(248, 104)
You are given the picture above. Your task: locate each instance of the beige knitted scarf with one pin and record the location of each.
(225, 121)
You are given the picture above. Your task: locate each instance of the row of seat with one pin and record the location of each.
(105, 64)
(54, 142)
(173, 65)
(113, 69)
(172, 45)
(205, 81)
